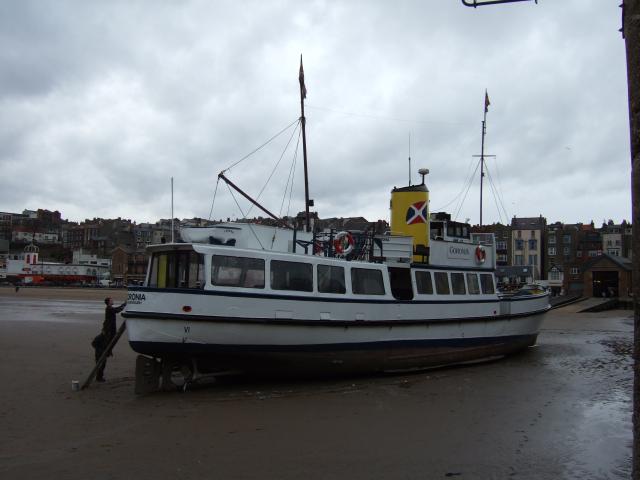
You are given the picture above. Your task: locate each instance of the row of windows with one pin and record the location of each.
(424, 283)
(184, 269)
(228, 271)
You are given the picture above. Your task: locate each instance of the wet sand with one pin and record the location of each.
(559, 410)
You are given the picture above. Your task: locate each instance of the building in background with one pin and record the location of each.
(527, 244)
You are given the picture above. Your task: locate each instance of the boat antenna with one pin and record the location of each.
(409, 158)
(172, 231)
(303, 95)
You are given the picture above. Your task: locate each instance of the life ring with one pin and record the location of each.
(343, 243)
(481, 255)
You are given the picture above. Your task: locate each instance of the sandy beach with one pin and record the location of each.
(559, 410)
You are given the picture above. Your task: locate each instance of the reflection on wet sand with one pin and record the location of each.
(559, 410)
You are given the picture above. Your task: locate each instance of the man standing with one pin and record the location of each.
(108, 333)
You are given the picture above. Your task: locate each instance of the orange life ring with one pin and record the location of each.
(343, 243)
(481, 255)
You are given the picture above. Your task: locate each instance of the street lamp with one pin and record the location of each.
(481, 3)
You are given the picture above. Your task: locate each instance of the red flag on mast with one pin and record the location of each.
(303, 88)
(486, 101)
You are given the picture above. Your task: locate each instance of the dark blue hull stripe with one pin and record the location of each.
(159, 348)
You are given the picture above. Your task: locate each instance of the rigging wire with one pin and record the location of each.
(293, 172)
(381, 117)
(469, 179)
(499, 191)
(470, 182)
(275, 167)
(263, 145)
(244, 216)
(496, 197)
(214, 198)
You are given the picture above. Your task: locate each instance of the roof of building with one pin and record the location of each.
(529, 222)
(622, 262)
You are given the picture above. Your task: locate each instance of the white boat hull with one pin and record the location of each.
(271, 341)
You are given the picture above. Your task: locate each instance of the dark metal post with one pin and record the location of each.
(631, 34)
(482, 162)
(245, 195)
(303, 121)
(104, 355)
(484, 131)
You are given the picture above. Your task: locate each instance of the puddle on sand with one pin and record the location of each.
(58, 311)
(602, 442)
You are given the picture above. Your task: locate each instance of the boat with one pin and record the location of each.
(257, 299)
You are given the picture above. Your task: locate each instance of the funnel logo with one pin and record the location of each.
(417, 213)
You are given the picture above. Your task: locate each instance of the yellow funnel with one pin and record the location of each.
(410, 216)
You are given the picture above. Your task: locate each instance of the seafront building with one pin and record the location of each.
(569, 258)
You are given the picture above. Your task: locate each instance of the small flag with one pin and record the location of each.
(417, 213)
(303, 88)
(486, 100)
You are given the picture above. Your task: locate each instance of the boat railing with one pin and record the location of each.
(487, 239)
(359, 244)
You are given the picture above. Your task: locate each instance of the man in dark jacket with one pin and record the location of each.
(101, 342)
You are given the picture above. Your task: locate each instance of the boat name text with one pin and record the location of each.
(135, 298)
(457, 251)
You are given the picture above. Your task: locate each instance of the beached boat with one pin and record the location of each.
(252, 300)
(260, 299)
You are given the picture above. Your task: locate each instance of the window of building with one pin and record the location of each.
(552, 251)
(295, 276)
(593, 253)
(457, 284)
(230, 271)
(519, 244)
(442, 283)
(177, 269)
(486, 282)
(518, 260)
(554, 275)
(331, 279)
(575, 271)
(566, 239)
(519, 233)
(501, 245)
(567, 251)
(472, 283)
(424, 285)
(533, 234)
(502, 258)
(366, 281)
(533, 244)
(533, 260)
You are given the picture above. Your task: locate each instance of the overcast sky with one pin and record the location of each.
(101, 103)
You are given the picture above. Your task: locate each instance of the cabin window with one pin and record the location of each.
(365, 281)
(400, 281)
(177, 269)
(486, 282)
(331, 279)
(291, 276)
(424, 283)
(457, 284)
(228, 271)
(472, 284)
(442, 283)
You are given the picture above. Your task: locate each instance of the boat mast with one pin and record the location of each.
(482, 155)
(303, 95)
